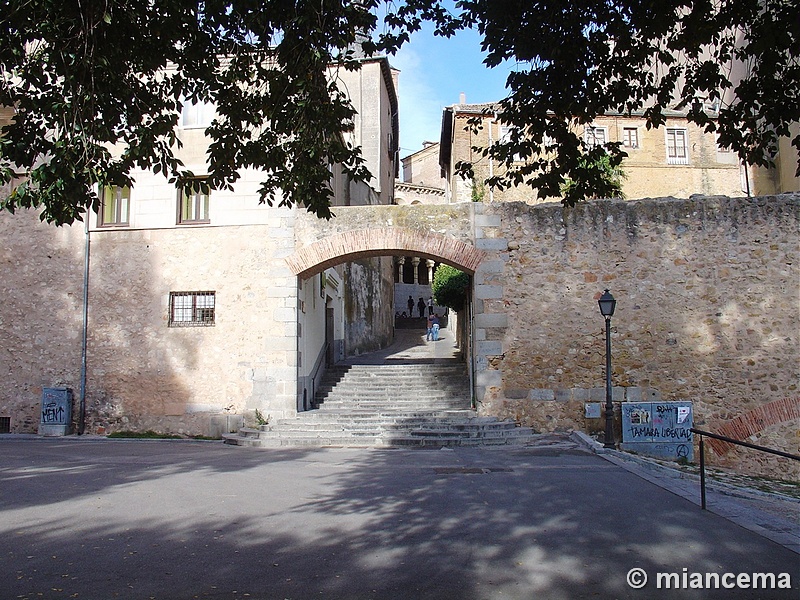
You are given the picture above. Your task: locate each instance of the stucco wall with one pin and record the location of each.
(144, 374)
(369, 322)
(41, 298)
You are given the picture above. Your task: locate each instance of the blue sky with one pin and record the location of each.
(433, 72)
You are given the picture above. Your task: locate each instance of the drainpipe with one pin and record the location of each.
(746, 178)
(85, 325)
(491, 160)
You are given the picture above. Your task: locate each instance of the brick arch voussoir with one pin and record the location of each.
(396, 241)
(755, 421)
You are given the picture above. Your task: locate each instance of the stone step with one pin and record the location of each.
(453, 365)
(419, 419)
(388, 392)
(421, 376)
(365, 440)
(384, 413)
(388, 405)
(393, 385)
(423, 424)
(393, 404)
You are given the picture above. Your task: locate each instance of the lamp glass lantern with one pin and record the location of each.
(607, 304)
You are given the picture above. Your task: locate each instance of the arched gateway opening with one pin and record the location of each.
(324, 268)
(347, 269)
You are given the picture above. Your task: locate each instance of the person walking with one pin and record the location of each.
(430, 306)
(421, 307)
(434, 321)
(430, 329)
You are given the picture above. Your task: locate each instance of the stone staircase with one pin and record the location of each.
(388, 405)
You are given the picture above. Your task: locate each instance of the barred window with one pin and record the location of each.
(191, 309)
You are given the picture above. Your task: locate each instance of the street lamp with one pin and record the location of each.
(607, 306)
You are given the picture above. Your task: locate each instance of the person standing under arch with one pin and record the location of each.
(421, 307)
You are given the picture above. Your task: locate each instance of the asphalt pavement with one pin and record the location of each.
(100, 519)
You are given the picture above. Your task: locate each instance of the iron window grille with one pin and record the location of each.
(192, 309)
(5, 424)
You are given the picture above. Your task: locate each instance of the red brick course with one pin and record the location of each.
(754, 421)
(363, 243)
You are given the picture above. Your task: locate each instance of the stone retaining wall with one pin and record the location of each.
(707, 308)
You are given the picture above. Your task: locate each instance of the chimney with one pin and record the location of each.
(462, 98)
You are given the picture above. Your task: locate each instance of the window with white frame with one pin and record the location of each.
(192, 309)
(677, 146)
(595, 136)
(506, 136)
(193, 202)
(630, 137)
(115, 204)
(197, 114)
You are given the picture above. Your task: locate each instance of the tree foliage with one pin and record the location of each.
(733, 66)
(595, 165)
(97, 89)
(97, 86)
(450, 287)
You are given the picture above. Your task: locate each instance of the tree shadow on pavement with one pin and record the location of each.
(359, 524)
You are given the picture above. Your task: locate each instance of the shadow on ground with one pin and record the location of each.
(174, 521)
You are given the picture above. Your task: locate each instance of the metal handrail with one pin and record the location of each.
(716, 436)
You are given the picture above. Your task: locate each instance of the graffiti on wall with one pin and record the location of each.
(658, 428)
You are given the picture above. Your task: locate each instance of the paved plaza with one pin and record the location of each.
(101, 519)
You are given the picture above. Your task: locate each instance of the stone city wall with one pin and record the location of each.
(707, 311)
(41, 299)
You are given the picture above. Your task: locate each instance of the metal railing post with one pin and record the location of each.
(702, 474)
(723, 438)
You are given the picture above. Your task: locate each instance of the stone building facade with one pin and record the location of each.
(678, 159)
(192, 321)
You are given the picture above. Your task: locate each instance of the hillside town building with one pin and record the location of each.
(678, 159)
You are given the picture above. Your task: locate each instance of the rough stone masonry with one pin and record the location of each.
(707, 310)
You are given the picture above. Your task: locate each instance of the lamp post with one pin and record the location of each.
(607, 306)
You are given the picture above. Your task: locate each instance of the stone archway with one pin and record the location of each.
(461, 235)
